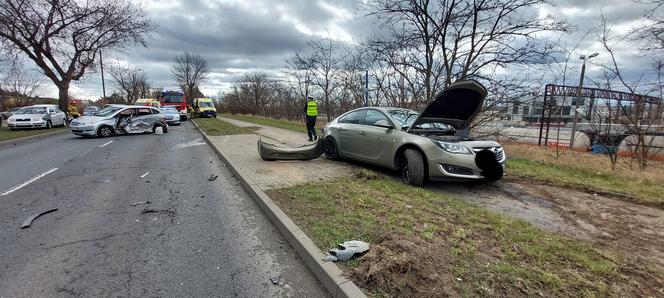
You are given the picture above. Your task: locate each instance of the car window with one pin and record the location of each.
(143, 112)
(127, 112)
(373, 117)
(355, 117)
(155, 111)
(51, 111)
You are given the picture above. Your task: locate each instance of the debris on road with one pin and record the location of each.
(28, 221)
(271, 152)
(139, 203)
(212, 177)
(275, 280)
(347, 251)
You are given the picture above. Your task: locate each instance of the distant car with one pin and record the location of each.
(204, 107)
(36, 116)
(434, 144)
(171, 115)
(9, 113)
(90, 111)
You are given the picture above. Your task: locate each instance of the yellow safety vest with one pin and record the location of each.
(312, 109)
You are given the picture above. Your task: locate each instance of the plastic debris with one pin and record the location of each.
(139, 203)
(346, 251)
(28, 221)
(212, 177)
(275, 280)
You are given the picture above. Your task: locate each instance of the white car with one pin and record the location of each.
(44, 116)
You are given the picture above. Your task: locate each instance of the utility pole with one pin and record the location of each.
(578, 97)
(101, 64)
(366, 88)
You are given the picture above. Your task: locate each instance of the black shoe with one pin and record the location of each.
(310, 140)
(315, 138)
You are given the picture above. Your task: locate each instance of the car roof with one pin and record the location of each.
(40, 106)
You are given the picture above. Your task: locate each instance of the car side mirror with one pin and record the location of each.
(384, 124)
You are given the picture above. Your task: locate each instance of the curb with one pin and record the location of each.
(327, 273)
(37, 136)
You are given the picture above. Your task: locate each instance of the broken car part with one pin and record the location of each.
(140, 203)
(28, 221)
(346, 251)
(271, 152)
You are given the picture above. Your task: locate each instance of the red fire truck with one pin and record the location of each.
(176, 99)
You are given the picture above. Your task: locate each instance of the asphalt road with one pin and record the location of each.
(196, 239)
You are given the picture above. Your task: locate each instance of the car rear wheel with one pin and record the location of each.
(412, 170)
(105, 131)
(331, 149)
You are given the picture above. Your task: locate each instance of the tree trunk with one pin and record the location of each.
(63, 96)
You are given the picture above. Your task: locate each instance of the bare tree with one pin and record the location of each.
(323, 62)
(132, 82)
(431, 44)
(64, 37)
(637, 117)
(189, 70)
(20, 84)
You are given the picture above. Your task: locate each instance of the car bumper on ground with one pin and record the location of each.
(84, 130)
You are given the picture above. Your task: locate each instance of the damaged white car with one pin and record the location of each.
(119, 119)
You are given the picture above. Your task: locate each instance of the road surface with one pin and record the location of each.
(197, 238)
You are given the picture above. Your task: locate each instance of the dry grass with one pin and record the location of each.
(426, 244)
(625, 167)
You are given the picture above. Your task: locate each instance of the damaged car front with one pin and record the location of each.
(119, 119)
(434, 144)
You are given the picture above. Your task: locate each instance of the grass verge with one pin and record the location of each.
(428, 244)
(216, 127)
(640, 189)
(289, 125)
(6, 134)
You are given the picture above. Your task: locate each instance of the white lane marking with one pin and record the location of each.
(146, 173)
(33, 179)
(105, 144)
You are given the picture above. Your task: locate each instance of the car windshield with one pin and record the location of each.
(403, 116)
(108, 111)
(32, 110)
(173, 98)
(205, 104)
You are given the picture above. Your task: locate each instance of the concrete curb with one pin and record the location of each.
(327, 273)
(37, 136)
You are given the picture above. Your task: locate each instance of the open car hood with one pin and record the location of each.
(456, 106)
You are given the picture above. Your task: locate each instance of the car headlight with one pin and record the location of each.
(452, 147)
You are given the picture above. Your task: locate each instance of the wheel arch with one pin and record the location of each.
(398, 157)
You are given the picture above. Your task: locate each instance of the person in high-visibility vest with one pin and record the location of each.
(311, 112)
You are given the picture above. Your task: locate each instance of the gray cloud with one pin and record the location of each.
(259, 35)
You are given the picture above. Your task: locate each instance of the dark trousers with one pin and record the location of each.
(311, 127)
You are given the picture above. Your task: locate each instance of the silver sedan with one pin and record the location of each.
(119, 119)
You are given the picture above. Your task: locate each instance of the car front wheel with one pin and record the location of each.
(331, 149)
(105, 131)
(412, 170)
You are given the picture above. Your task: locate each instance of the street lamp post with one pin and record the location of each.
(578, 97)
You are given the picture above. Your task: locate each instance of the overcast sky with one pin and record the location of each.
(237, 36)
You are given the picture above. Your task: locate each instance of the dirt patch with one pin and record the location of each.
(633, 230)
(399, 265)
